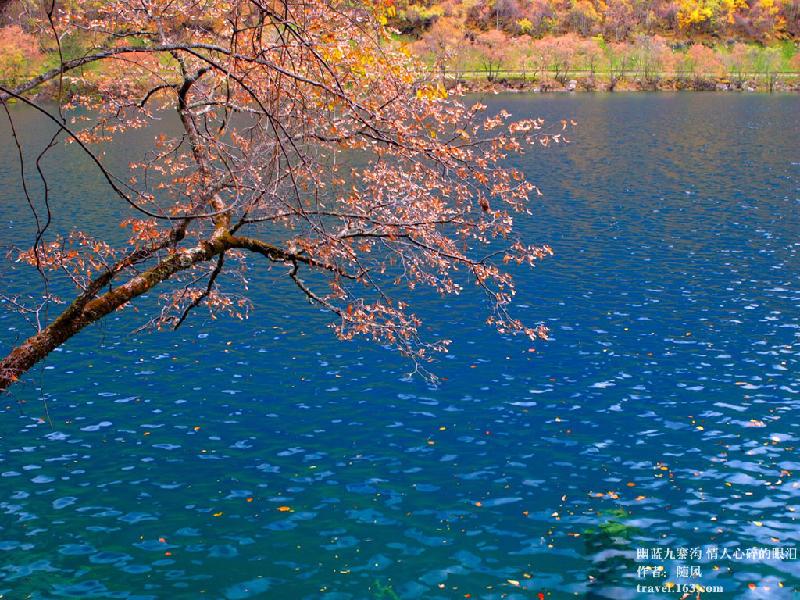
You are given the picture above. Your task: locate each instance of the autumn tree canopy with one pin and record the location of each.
(754, 20)
(308, 144)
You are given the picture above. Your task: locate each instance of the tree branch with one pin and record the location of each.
(81, 314)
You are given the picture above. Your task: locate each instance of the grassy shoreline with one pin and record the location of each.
(550, 82)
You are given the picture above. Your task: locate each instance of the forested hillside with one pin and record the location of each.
(699, 44)
(615, 20)
(595, 44)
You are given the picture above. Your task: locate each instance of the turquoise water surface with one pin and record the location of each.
(265, 459)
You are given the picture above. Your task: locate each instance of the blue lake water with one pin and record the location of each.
(661, 417)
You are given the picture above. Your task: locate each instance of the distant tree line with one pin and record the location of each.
(556, 57)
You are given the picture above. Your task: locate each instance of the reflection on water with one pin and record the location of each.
(264, 459)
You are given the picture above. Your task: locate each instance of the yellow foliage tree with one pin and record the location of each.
(19, 54)
(708, 15)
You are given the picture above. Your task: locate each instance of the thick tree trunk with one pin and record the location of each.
(77, 317)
